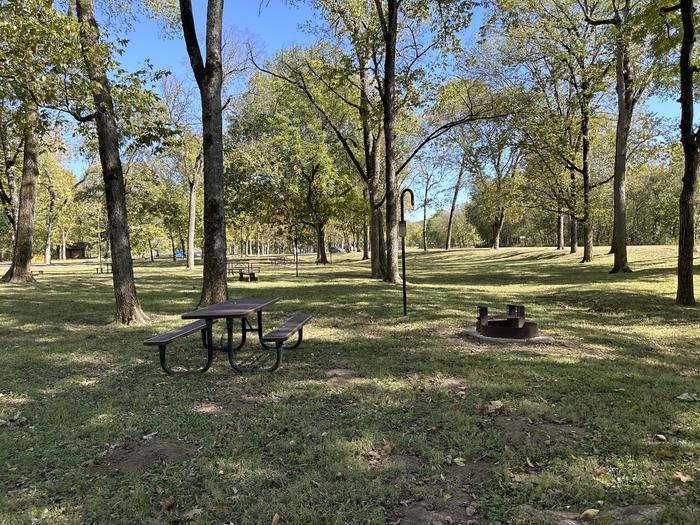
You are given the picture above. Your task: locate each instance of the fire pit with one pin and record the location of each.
(512, 326)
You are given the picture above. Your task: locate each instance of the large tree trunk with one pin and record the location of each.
(560, 230)
(625, 110)
(685, 292)
(321, 257)
(209, 78)
(20, 271)
(127, 303)
(586, 175)
(389, 99)
(453, 207)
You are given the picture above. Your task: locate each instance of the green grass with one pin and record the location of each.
(624, 352)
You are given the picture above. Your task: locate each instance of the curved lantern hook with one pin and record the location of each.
(403, 193)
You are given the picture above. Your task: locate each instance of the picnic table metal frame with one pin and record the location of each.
(248, 306)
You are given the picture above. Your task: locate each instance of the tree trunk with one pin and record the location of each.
(685, 292)
(62, 253)
(560, 230)
(150, 250)
(20, 272)
(50, 218)
(453, 207)
(573, 234)
(127, 303)
(209, 78)
(496, 228)
(192, 219)
(172, 244)
(389, 99)
(365, 234)
(586, 175)
(376, 233)
(321, 257)
(625, 111)
(425, 221)
(183, 244)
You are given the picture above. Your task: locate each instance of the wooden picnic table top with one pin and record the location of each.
(231, 309)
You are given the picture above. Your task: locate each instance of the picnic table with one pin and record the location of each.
(246, 270)
(242, 309)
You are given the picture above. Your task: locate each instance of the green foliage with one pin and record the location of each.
(285, 166)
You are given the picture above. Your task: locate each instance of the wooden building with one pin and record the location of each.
(79, 250)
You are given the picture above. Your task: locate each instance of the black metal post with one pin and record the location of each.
(402, 233)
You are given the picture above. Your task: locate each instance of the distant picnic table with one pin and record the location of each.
(229, 311)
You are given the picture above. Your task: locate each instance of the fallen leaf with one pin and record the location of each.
(219, 507)
(599, 471)
(683, 478)
(589, 514)
(194, 511)
(386, 450)
(447, 496)
(275, 519)
(688, 397)
(663, 453)
(459, 461)
(150, 436)
(167, 503)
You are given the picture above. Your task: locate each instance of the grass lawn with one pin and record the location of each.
(407, 436)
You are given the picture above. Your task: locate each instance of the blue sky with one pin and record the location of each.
(275, 25)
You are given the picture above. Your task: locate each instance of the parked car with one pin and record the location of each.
(336, 249)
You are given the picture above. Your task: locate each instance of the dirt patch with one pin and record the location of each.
(451, 498)
(401, 462)
(138, 456)
(634, 514)
(225, 407)
(521, 431)
(472, 475)
(339, 376)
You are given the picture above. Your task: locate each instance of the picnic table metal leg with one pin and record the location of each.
(275, 365)
(207, 340)
(164, 360)
(247, 327)
(300, 335)
(260, 331)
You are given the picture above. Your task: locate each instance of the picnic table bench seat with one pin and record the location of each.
(163, 340)
(290, 327)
